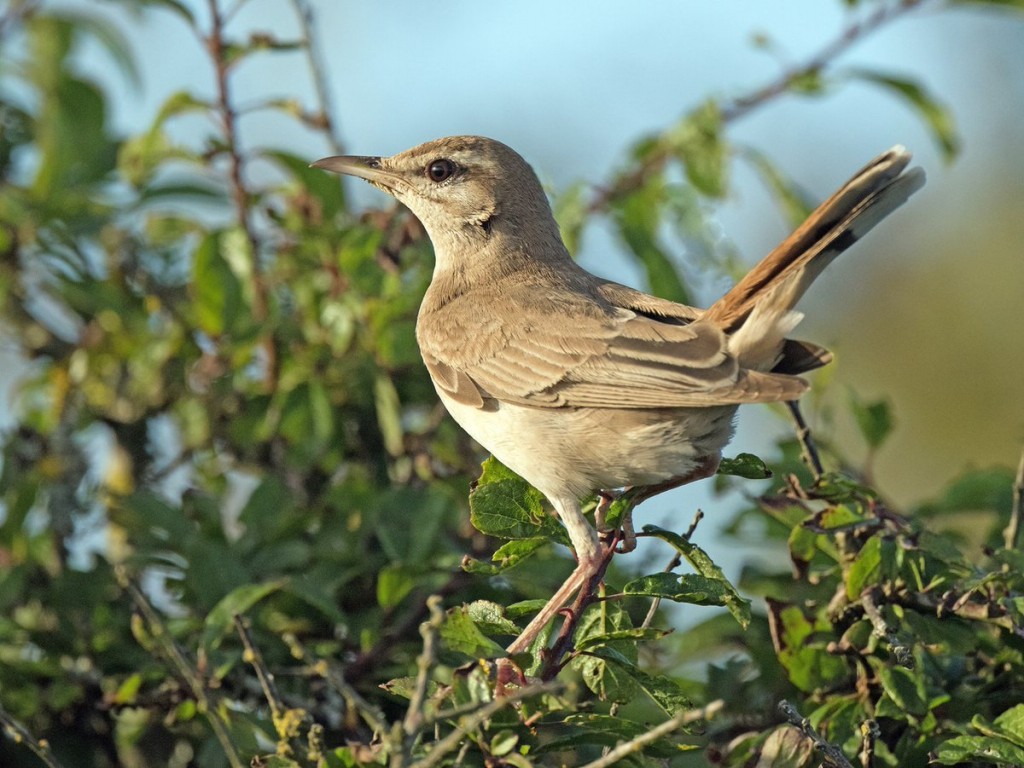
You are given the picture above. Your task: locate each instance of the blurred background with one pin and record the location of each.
(927, 313)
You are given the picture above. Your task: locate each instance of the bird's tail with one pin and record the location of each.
(757, 311)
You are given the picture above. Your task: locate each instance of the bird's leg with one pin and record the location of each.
(604, 501)
(591, 557)
(590, 560)
(706, 467)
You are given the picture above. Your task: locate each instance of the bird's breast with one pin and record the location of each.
(578, 451)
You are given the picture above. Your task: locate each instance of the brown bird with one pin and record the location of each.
(582, 385)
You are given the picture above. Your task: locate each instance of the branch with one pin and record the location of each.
(196, 685)
(218, 50)
(885, 13)
(286, 720)
(807, 445)
(314, 55)
(833, 755)
(904, 655)
(487, 711)
(425, 664)
(332, 673)
(635, 745)
(1011, 536)
(19, 734)
(956, 605)
(656, 157)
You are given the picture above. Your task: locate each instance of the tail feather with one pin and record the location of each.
(784, 274)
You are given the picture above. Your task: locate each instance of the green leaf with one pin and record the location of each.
(1011, 724)
(571, 210)
(803, 544)
(409, 523)
(874, 419)
(803, 650)
(874, 564)
(705, 566)
(665, 692)
(745, 465)
(638, 634)
(508, 555)
(935, 115)
(220, 620)
(638, 217)
(989, 490)
(963, 749)
(490, 618)
(461, 635)
(503, 742)
(389, 414)
(697, 142)
(128, 690)
(503, 504)
(587, 730)
(906, 689)
(685, 588)
(394, 583)
(216, 291)
(109, 38)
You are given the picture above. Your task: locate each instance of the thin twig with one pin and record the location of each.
(333, 674)
(314, 54)
(833, 755)
(969, 611)
(197, 686)
(485, 712)
(807, 446)
(218, 49)
(869, 733)
(655, 158)
(481, 714)
(425, 665)
(855, 32)
(19, 734)
(902, 652)
(635, 745)
(1011, 536)
(675, 562)
(286, 721)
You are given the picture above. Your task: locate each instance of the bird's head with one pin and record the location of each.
(460, 187)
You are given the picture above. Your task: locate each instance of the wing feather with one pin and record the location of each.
(593, 354)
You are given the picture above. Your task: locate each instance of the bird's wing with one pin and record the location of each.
(576, 350)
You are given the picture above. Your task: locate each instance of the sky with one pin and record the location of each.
(570, 84)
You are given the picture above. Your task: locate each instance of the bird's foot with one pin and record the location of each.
(623, 538)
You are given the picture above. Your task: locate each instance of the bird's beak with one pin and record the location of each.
(368, 168)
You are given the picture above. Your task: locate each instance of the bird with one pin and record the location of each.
(582, 385)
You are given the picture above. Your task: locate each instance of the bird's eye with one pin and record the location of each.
(440, 170)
